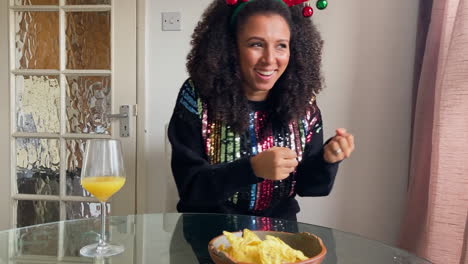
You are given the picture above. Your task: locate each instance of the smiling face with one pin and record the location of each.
(263, 45)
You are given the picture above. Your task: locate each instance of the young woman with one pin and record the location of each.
(246, 131)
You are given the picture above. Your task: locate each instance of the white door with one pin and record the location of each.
(70, 64)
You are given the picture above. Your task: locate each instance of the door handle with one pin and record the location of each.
(117, 116)
(124, 120)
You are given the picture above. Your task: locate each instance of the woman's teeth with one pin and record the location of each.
(266, 73)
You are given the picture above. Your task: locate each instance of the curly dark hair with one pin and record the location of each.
(213, 63)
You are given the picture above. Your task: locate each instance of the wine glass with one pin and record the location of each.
(102, 175)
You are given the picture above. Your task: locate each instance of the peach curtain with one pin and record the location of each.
(435, 222)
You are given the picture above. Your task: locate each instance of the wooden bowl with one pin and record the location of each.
(311, 245)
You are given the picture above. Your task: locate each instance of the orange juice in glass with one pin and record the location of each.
(103, 187)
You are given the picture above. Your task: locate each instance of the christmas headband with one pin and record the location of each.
(307, 11)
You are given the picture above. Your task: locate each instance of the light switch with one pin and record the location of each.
(171, 21)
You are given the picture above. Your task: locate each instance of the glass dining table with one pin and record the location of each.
(176, 238)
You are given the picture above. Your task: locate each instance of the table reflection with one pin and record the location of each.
(175, 238)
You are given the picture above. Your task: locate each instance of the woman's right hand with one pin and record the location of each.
(275, 163)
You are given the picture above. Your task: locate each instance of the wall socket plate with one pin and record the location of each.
(171, 21)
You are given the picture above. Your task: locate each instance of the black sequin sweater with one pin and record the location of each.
(211, 163)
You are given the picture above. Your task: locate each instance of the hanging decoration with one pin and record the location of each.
(307, 11)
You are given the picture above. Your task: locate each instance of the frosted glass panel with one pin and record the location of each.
(31, 241)
(79, 234)
(37, 166)
(88, 103)
(37, 40)
(88, 40)
(37, 212)
(37, 104)
(75, 151)
(88, 2)
(79, 210)
(36, 2)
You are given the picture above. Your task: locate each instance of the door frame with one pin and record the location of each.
(141, 153)
(5, 129)
(126, 9)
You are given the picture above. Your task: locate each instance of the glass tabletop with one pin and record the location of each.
(176, 238)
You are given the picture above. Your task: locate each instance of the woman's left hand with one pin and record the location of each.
(339, 147)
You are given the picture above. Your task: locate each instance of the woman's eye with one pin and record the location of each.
(255, 44)
(282, 46)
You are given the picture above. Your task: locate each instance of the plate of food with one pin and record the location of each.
(266, 247)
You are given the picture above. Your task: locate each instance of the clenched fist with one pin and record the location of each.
(275, 163)
(340, 146)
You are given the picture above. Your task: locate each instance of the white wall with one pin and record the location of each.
(368, 68)
(165, 54)
(367, 63)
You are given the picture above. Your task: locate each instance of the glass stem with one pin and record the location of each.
(102, 240)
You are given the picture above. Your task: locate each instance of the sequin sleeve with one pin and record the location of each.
(201, 185)
(314, 176)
